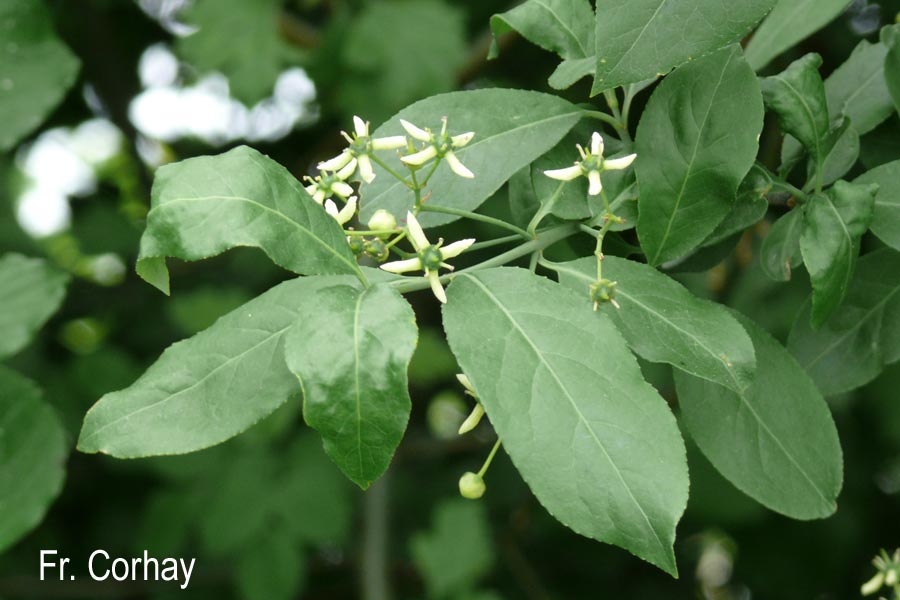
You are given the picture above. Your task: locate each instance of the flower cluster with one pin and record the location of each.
(429, 257)
(888, 574)
(591, 165)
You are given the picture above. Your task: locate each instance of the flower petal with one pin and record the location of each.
(402, 266)
(347, 171)
(365, 168)
(416, 132)
(472, 420)
(360, 127)
(436, 286)
(458, 168)
(617, 164)
(566, 174)
(596, 186)
(597, 144)
(331, 208)
(348, 211)
(456, 248)
(421, 157)
(336, 163)
(389, 143)
(462, 139)
(342, 189)
(416, 235)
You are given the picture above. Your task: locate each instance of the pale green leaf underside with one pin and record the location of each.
(695, 143)
(596, 443)
(36, 69)
(203, 206)
(512, 128)
(350, 350)
(780, 250)
(663, 322)
(208, 388)
(30, 292)
(855, 344)
(640, 39)
(790, 22)
(777, 441)
(33, 450)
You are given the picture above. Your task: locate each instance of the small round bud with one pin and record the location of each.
(603, 291)
(471, 486)
(382, 220)
(377, 249)
(357, 245)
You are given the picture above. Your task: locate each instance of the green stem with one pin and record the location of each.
(362, 232)
(490, 459)
(374, 581)
(417, 190)
(545, 209)
(546, 239)
(602, 116)
(475, 217)
(396, 240)
(784, 186)
(431, 172)
(495, 242)
(390, 170)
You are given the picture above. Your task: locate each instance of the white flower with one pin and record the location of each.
(325, 185)
(591, 165)
(360, 150)
(438, 146)
(429, 257)
(343, 215)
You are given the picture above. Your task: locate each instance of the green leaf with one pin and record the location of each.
(842, 152)
(457, 551)
(203, 206)
(696, 141)
(640, 39)
(749, 208)
(240, 39)
(886, 219)
(858, 341)
(790, 22)
(272, 569)
(351, 360)
(30, 292)
(595, 442)
(780, 250)
(890, 37)
(664, 322)
(512, 128)
(833, 223)
(776, 442)
(36, 69)
(208, 388)
(857, 88)
(33, 451)
(565, 27)
(797, 96)
(427, 49)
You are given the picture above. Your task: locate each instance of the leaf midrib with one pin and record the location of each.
(571, 400)
(584, 52)
(353, 266)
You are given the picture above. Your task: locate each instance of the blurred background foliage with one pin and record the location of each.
(267, 515)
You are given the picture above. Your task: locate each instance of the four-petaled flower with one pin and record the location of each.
(343, 215)
(429, 257)
(591, 165)
(325, 185)
(361, 147)
(438, 146)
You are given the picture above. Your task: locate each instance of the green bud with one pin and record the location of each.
(357, 245)
(382, 220)
(603, 291)
(471, 486)
(377, 249)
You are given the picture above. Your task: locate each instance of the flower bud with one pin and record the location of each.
(377, 249)
(471, 486)
(357, 245)
(382, 220)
